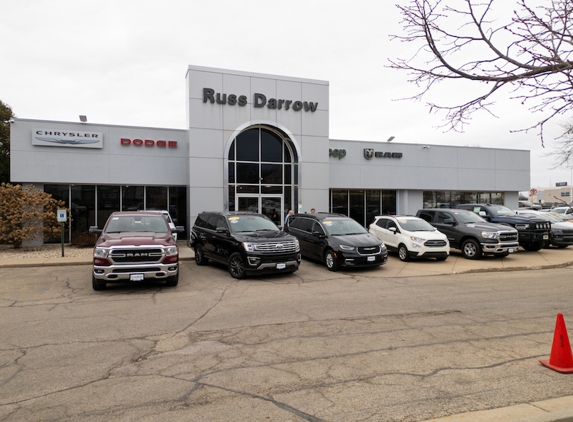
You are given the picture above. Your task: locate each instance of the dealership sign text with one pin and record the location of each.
(259, 101)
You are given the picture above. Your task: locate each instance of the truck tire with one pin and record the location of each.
(236, 266)
(97, 284)
(471, 249)
(173, 280)
(200, 255)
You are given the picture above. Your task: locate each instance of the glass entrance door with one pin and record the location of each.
(269, 205)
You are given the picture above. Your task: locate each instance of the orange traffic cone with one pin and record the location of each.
(561, 358)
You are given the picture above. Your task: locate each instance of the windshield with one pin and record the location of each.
(251, 223)
(415, 225)
(137, 224)
(469, 217)
(342, 226)
(501, 211)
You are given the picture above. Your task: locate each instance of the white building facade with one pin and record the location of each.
(254, 142)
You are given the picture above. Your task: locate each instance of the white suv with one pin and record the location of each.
(411, 237)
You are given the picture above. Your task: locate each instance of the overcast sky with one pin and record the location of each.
(123, 62)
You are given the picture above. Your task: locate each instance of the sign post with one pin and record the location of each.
(62, 218)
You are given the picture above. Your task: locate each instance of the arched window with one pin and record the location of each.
(263, 172)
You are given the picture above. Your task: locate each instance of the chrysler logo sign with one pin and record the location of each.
(369, 153)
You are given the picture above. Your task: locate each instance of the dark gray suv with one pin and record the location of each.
(247, 243)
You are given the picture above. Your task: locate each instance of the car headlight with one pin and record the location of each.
(101, 252)
(417, 239)
(346, 248)
(297, 245)
(490, 235)
(249, 247)
(558, 232)
(522, 226)
(171, 250)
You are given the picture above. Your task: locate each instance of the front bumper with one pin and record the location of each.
(500, 248)
(135, 272)
(259, 264)
(354, 259)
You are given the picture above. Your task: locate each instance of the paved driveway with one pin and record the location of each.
(315, 345)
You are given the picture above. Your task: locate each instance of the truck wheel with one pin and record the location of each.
(200, 255)
(97, 284)
(236, 266)
(173, 280)
(533, 247)
(471, 249)
(403, 253)
(330, 260)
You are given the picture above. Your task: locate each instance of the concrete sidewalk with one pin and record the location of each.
(554, 410)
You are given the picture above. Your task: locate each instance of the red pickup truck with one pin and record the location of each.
(135, 246)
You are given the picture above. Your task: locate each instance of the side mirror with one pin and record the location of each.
(450, 221)
(393, 230)
(95, 230)
(222, 230)
(179, 229)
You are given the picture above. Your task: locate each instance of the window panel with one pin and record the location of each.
(247, 148)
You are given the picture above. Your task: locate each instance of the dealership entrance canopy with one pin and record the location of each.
(253, 142)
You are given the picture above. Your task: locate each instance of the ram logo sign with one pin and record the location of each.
(369, 153)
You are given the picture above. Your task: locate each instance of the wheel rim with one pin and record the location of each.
(236, 266)
(402, 253)
(329, 260)
(470, 249)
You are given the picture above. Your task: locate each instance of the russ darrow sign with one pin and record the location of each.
(259, 101)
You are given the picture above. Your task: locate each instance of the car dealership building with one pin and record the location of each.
(253, 142)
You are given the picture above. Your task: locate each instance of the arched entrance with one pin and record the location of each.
(263, 173)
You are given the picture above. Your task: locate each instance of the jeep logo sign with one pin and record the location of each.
(339, 153)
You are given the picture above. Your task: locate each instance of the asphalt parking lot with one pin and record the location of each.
(386, 344)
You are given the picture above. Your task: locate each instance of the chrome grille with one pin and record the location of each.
(435, 243)
(277, 247)
(121, 256)
(369, 250)
(505, 237)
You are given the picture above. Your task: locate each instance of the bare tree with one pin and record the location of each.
(526, 50)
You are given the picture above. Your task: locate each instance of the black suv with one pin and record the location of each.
(336, 240)
(247, 243)
(534, 232)
(470, 233)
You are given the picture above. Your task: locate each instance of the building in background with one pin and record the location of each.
(254, 142)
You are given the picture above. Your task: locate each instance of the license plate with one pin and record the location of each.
(545, 236)
(510, 250)
(281, 266)
(371, 258)
(136, 277)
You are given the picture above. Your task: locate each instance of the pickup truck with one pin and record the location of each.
(470, 233)
(534, 232)
(135, 246)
